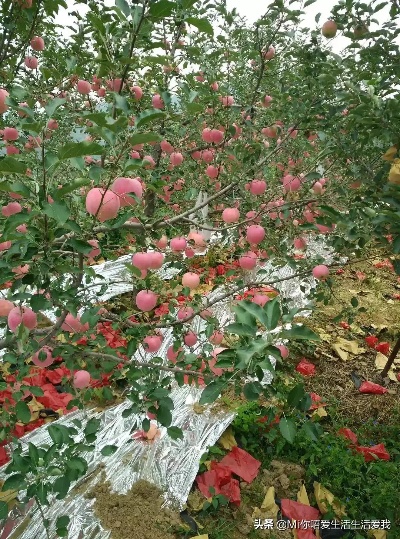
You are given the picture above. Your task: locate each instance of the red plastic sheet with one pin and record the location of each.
(349, 434)
(242, 464)
(300, 512)
(383, 348)
(374, 452)
(306, 368)
(371, 341)
(374, 389)
(317, 401)
(371, 453)
(220, 478)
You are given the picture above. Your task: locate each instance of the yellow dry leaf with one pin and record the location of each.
(35, 406)
(344, 347)
(394, 174)
(269, 504)
(302, 496)
(389, 155)
(356, 329)
(8, 495)
(378, 534)
(380, 362)
(197, 505)
(324, 498)
(227, 440)
(61, 338)
(320, 412)
(207, 464)
(204, 536)
(268, 508)
(324, 336)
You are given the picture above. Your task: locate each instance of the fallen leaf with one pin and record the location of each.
(268, 508)
(343, 347)
(394, 174)
(227, 440)
(198, 408)
(8, 495)
(320, 412)
(196, 501)
(378, 534)
(35, 406)
(204, 536)
(325, 498)
(302, 496)
(356, 329)
(324, 336)
(390, 154)
(380, 362)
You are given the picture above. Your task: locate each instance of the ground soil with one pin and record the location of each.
(374, 291)
(135, 515)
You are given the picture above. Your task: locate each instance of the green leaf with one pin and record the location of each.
(19, 187)
(61, 485)
(175, 433)
(77, 463)
(62, 521)
(354, 302)
(55, 435)
(9, 164)
(3, 510)
(14, 482)
(80, 246)
(245, 355)
(143, 138)
(92, 426)
(121, 102)
(164, 415)
(22, 411)
(79, 149)
(203, 25)
(58, 211)
(312, 430)
(76, 184)
(109, 450)
(53, 105)
(124, 7)
(273, 311)
(396, 245)
(186, 4)
(33, 453)
(39, 302)
(396, 266)
(240, 329)
(288, 429)
(161, 9)
(37, 391)
(295, 395)
(129, 411)
(211, 392)
(256, 311)
(78, 163)
(148, 116)
(299, 332)
(252, 391)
